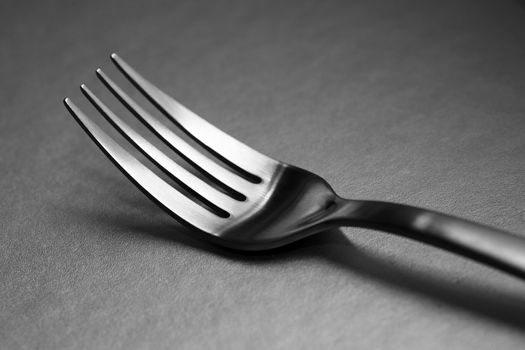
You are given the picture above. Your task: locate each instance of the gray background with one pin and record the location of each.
(420, 102)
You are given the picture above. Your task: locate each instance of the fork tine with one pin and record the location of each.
(175, 203)
(253, 165)
(230, 181)
(205, 193)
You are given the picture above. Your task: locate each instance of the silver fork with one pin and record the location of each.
(246, 200)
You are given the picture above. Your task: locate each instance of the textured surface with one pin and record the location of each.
(421, 102)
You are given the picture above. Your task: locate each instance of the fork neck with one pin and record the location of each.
(385, 215)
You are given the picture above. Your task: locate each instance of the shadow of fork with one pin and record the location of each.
(502, 306)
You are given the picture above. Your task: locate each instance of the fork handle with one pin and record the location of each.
(488, 245)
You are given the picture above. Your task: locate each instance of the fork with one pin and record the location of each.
(242, 199)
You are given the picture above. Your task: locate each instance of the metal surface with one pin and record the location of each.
(262, 203)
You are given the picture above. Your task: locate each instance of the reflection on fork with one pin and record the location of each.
(246, 200)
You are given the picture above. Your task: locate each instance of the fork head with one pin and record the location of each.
(240, 197)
